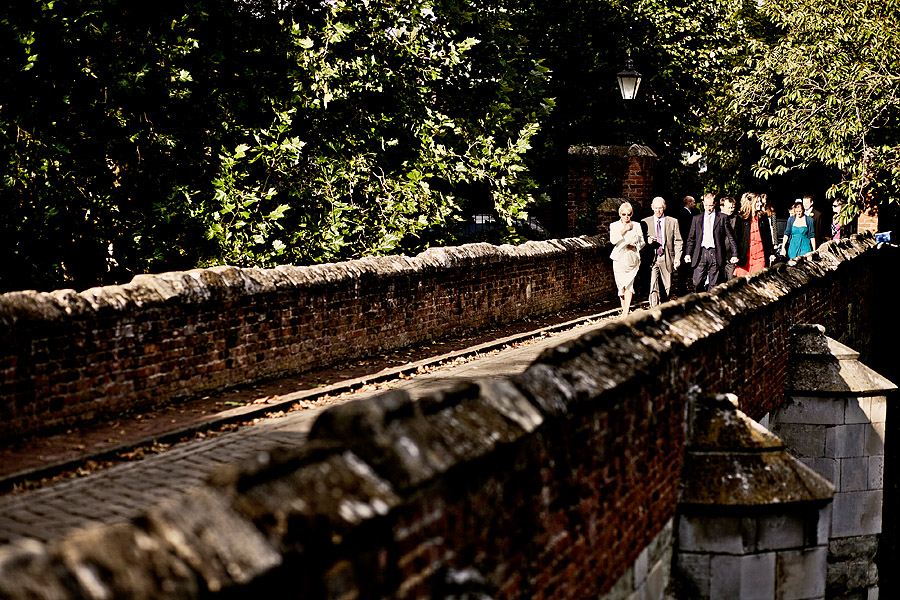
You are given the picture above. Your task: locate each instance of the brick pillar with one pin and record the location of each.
(752, 520)
(868, 220)
(833, 420)
(637, 187)
(627, 173)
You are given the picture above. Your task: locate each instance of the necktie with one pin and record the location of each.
(659, 239)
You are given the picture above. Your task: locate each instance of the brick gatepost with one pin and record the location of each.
(868, 220)
(627, 174)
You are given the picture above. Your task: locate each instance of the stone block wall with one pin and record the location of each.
(770, 556)
(834, 420)
(555, 483)
(68, 357)
(648, 577)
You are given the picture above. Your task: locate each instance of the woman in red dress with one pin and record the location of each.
(753, 234)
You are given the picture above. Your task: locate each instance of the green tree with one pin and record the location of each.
(826, 91)
(142, 138)
(109, 115)
(393, 111)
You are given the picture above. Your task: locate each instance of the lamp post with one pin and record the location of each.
(629, 82)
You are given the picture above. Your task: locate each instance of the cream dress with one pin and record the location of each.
(626, 262)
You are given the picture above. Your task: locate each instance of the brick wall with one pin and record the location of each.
(548, 484)
(69, 357)
(562, 512)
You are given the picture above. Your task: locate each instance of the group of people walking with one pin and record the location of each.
(716, 244)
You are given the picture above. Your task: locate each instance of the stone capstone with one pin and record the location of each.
(823, 366)
(731, 461)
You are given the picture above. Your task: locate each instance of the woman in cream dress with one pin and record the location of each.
(628, 240)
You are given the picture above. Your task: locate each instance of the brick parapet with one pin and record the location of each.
(549, 484)
(68, 358)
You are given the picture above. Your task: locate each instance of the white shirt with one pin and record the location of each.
(708, 220)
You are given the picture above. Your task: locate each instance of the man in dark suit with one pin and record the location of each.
(727, 205)
(820, 224)
(708, 240)
(684, 214)
(664, 244)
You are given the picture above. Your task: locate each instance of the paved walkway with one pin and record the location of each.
(126, 490)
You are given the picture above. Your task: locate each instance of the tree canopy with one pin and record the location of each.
(392, 109)
(825, 89)
(142, 138)
(110, 117)
(147, 138)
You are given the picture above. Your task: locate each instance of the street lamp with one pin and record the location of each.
(629, 80)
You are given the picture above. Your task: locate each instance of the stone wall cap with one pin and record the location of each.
(760, 479)
(822, 365)
(716, 425)
(811, 340)
(835, 377)
(620, 151)
(732, 461)
(409, 442)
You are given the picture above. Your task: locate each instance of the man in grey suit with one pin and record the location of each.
(706, 245)
(664, 243)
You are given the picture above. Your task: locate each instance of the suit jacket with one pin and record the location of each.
(742, 237)
(685, 217)
(674, 243)
(822, 227)
(732, 222)
(722, 236)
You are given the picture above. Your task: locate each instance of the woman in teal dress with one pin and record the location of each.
(799, 234)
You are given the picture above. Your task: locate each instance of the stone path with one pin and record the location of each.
(126, 490)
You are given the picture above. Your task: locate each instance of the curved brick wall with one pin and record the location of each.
(549, 484)
(67, 357)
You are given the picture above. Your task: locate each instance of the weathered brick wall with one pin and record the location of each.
(68, 357)
(562, 512)
(548, 484)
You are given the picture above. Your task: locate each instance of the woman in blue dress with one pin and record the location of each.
(799, 234)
